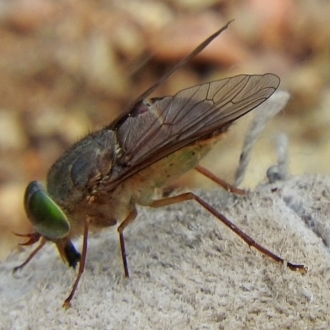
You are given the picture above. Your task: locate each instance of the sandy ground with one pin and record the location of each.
(188, 271)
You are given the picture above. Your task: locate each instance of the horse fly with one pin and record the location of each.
(100, 179)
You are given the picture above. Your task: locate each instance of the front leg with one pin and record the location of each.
(67, 301)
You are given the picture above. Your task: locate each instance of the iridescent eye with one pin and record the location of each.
(46, 216)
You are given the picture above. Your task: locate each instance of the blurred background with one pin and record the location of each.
(68, 67)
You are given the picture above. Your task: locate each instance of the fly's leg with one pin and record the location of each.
(33, 253)
(129, 219)
(219, 181)
(67, 301)
(190, 196)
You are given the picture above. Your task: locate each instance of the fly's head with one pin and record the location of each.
(46, 217)
(49, 222)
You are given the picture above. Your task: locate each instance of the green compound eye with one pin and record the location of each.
(46, 216)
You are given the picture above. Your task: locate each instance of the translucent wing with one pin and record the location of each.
(155, 129)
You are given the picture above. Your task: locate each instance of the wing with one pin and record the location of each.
(157, 128)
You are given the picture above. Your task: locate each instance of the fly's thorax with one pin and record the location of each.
(71, 177)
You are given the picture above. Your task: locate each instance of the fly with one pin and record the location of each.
(99, 181)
